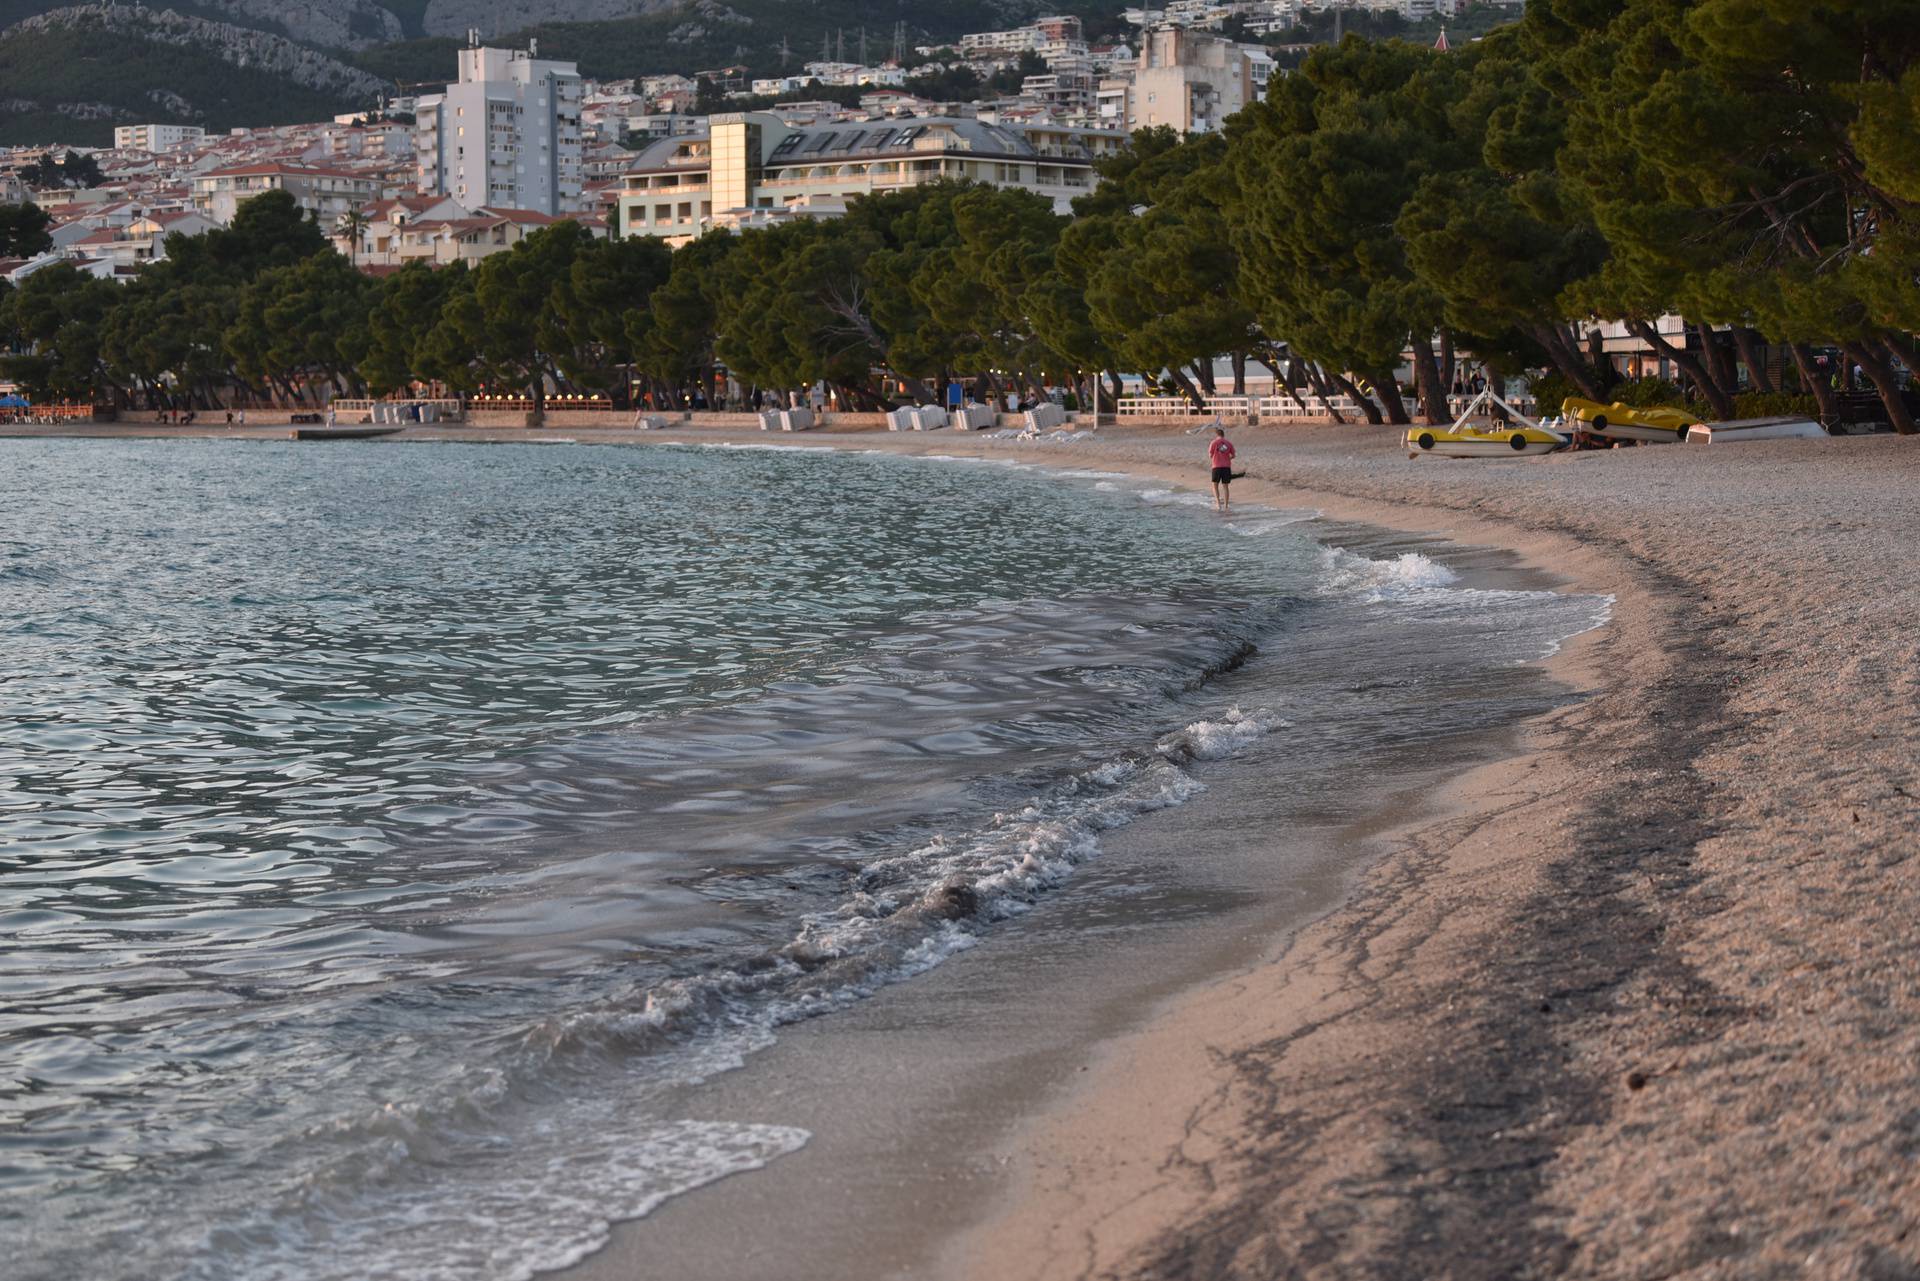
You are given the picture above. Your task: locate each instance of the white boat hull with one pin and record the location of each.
(1755, 429)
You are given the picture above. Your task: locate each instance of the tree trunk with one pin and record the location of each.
(1821, 389)
(1187, 388)
(1119, 388)
(1203, 373)
(1880, 374)
(1388, 391)
(1904, 350)
(1717, 361)
(1285, 373)
(1566, 361)
(1239, 373)
(1317, 379)
(1602, 369)
(1748, 344)
(1367, 407)
(1716, 395)
(1427, 382)
(1449, 366)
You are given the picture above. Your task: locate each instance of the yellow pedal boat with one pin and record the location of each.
(1659, 424)
(1481, 433)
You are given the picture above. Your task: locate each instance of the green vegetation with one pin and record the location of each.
(111, 77)
(23, 231)
(1623, 162)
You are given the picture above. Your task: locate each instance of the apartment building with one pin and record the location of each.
(155, 137)
(1185, 80)
(506, 135)
(751, 168)
(1041, 32)
(326, 193)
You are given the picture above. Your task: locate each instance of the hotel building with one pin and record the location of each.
(750, 169)
(507, 135)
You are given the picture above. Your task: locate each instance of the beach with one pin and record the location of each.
(1624, 993)
(1635, 1002)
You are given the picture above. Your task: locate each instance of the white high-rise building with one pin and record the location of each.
(506, 136)
(155, 137)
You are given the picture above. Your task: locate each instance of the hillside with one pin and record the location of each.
(708, 33)
(333, 24)
(71, 75)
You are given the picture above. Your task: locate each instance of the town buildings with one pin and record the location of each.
(325, 193)
(155, 137)
(752, 168)
(506, 134)
(1185, 80)
(437, 230)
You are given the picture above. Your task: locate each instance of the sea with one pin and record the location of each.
(394, 838)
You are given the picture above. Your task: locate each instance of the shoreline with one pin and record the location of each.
(1636, 1002)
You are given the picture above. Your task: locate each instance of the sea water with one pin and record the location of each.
(393, 838)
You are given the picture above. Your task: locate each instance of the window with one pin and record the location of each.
(686, 210)
(661, 212)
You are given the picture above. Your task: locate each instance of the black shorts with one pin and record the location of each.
(1222, 475)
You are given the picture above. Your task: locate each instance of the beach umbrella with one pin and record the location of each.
(11, 401)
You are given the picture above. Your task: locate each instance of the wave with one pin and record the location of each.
(1349, 573)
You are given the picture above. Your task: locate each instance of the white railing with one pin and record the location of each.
(1309, 409)
(1456, 405)
(1231, 406)
(1155, 406)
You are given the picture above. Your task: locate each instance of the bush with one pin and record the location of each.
(1774, 404)
(1549, 390)
(1648, 393)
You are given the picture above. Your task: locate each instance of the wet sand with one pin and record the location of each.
(1636, 999)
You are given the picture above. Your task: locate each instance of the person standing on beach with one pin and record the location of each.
(1220, 453)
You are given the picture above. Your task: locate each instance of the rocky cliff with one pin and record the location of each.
(499, 17)
(240, 47)
(337, 24)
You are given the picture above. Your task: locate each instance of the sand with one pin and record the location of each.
(1645, 1004)
(1640, 1000)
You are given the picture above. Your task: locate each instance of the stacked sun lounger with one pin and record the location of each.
(1044, 416)
(917, 418)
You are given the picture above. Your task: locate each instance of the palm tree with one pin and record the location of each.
(353, 229)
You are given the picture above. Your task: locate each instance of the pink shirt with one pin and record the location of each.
(1221, 452)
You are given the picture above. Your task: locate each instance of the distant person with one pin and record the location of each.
(1220, 452)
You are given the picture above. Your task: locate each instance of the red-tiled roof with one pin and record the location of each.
(275, 167)
(530, 217)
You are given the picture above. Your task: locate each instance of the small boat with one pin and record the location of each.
(1787, 428)
(1659, 425)
(361, 432)
(1480, 433)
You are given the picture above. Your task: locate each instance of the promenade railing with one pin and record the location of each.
(1156, 407)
